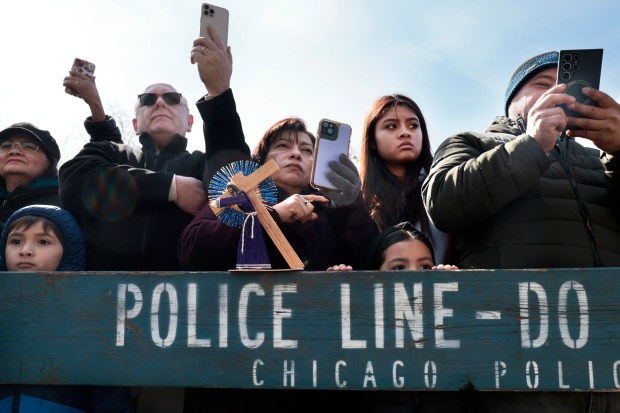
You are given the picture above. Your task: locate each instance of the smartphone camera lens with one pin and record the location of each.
(565, 75)
(568, 57)
(566, 66)
(327, 128)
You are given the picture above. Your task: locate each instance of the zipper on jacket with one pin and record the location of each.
(155, 159)
(585, 215)
(159, 159)
(147, 221)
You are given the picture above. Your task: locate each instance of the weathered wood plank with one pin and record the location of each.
(509, 330)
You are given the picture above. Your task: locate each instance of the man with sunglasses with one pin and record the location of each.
(133, 203)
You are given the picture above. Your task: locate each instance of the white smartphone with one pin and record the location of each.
(333, 138)
(81, 66)
(215, 16)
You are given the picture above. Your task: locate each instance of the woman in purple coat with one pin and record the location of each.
(322, 231)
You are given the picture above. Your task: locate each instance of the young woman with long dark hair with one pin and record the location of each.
(395, 159)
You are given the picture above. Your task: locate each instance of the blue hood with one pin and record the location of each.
(74, 254)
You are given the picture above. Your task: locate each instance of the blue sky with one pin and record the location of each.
(293, 58)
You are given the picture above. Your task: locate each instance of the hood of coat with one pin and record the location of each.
(74, 251)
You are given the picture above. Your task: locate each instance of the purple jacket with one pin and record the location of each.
(338, 236)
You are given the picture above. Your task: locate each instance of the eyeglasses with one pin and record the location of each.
(7, 146)
(149, 99)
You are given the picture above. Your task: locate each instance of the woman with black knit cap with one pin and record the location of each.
(28, 168)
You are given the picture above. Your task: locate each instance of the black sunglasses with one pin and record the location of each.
(149, 99)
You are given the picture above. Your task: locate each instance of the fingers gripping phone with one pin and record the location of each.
(579, 69)
(333, 138)
(216, 17)
(81, 66)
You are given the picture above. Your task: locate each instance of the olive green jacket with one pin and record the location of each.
(509, 204)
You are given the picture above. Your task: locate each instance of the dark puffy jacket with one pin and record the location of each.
(508, 204)
(60, 398)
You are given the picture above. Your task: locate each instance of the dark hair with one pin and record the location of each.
(294, 125)
(27, 221)
(388, 199)
(391, 235)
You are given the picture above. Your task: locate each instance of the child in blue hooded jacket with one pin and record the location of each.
(47, 238)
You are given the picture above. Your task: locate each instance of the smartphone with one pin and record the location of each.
(333, 138)
(216, 17)
(578, 69)
(82, 66)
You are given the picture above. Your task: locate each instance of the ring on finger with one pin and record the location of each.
(202, 51)
(306, 202)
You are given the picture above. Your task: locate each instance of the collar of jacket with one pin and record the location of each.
(176, 145)
(36, 183)
(504, 124)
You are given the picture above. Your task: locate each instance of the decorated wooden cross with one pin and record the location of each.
(249, 185)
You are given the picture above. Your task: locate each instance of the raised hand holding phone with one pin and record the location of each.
(79, 67)
(81, 83)
(595, 115)
(214, 59)
(600, 124)
(578, 69)
(346, 178)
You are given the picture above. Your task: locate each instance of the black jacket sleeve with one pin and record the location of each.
(104, 180)
(223, 133)
(103, 131)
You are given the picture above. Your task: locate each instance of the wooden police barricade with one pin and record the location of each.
(531, 330)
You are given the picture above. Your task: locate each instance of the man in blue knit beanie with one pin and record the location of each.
(525, 194)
